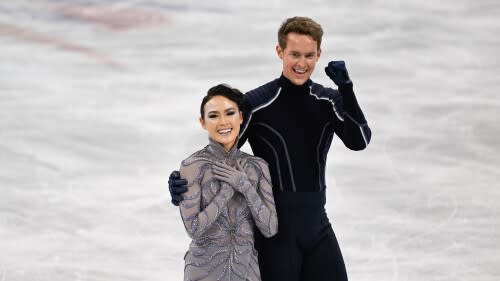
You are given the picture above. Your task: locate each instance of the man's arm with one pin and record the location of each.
(253, 101)
(350, 122)
(246, 108)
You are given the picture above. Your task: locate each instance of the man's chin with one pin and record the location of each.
(299, 81)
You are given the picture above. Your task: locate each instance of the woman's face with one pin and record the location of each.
(222, 120)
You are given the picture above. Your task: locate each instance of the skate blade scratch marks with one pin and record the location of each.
(113, 18)
(34, 37)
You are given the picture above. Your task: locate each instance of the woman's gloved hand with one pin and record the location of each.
(234, 177)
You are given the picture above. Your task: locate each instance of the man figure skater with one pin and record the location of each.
(290, 123)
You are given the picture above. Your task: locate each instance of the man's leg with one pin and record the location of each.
(324, 261)
(280, 257)
(277, 260)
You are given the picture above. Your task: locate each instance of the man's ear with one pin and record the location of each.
(202, 123)
(279, 51)
(319, 54)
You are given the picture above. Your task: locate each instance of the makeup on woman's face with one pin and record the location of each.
(222, 120)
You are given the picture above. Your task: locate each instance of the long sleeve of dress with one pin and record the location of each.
(259, 196)
(197, 219)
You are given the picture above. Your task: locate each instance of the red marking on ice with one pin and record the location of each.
(114, 18)
(34, 37)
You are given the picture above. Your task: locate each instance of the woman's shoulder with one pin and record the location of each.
(255, 167)
(198, 158)
(194, 167)
(251, 159)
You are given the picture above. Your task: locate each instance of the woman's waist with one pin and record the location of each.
(225, 238)
(200, 246)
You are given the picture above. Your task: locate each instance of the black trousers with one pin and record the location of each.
(305, 247)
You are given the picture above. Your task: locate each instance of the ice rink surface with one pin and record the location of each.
(99, 102)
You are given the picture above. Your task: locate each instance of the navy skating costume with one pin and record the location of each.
(292, 127)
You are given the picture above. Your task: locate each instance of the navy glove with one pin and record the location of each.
(337, 71)
(176, 186)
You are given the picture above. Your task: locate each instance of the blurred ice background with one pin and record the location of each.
(99, 102)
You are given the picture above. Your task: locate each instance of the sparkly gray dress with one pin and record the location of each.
(221, 220)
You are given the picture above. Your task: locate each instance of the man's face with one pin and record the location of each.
(299, 57)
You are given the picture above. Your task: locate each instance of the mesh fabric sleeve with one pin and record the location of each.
(197, 220)
(259, 196)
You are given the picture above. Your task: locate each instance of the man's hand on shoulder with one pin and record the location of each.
(337, 71)
(177, 187)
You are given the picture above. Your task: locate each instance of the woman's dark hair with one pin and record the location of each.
(222, 90)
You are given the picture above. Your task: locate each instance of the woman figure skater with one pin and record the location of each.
(229, 192)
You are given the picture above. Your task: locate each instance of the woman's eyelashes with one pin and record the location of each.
(228, 113)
